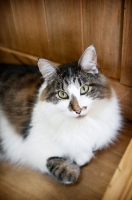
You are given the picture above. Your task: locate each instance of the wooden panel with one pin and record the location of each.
(126, 103)
(126, 65)
(120, 186)
(102, 27)
(60, 30)
(64, 26)
(124, 94)
(16, 57)
(30, 21)
(24, 26)
(8, 34)
(23, 183)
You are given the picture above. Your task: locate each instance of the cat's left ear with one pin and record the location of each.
(88, 60)
(47, 69)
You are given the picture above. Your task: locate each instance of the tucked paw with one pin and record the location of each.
(63, 170)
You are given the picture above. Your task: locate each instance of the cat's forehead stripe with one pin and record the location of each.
(74, 80)
(79, 81)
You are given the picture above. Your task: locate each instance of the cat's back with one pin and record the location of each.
(10, 72)
(19, 86)
(16, 78)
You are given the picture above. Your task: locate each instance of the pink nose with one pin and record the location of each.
(78, 111)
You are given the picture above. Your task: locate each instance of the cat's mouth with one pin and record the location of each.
(81, 116)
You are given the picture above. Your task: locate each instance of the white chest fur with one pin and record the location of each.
(53, 134)
(75, 138)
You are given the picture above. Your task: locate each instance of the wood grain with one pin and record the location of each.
(24, 26)
(61, 30)
(8, 34)
(124, 94)
(12, 56)
(64, 26)
(126, 65)
(103, 28)
(126, 103)
(120, 186)
(16, 57)
(23, 183)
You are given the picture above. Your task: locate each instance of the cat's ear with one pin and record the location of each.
(47, 69)
(88, 60)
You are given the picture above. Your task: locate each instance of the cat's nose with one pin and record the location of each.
(78, 111)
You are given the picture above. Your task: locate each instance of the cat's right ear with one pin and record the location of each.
(88, 60)
(47, 69)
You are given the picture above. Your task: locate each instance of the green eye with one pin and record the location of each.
(84, 89)
(63, 95)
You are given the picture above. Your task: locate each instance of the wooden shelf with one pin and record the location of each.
(120, 186)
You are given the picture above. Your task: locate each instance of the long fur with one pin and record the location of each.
(53, 134)
(57, 131)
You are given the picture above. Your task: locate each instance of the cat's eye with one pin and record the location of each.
(84, 89)
(63, 95)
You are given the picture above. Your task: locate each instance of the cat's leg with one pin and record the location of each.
(63, 170)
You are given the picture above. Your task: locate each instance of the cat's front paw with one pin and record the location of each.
(63, 170)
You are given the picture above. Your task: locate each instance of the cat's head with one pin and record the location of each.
(73, 87)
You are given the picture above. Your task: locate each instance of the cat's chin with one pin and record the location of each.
(81, 116)
(77, 116)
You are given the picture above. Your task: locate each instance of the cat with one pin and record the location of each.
(53, 119)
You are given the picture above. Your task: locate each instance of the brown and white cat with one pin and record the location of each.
(55, 123)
